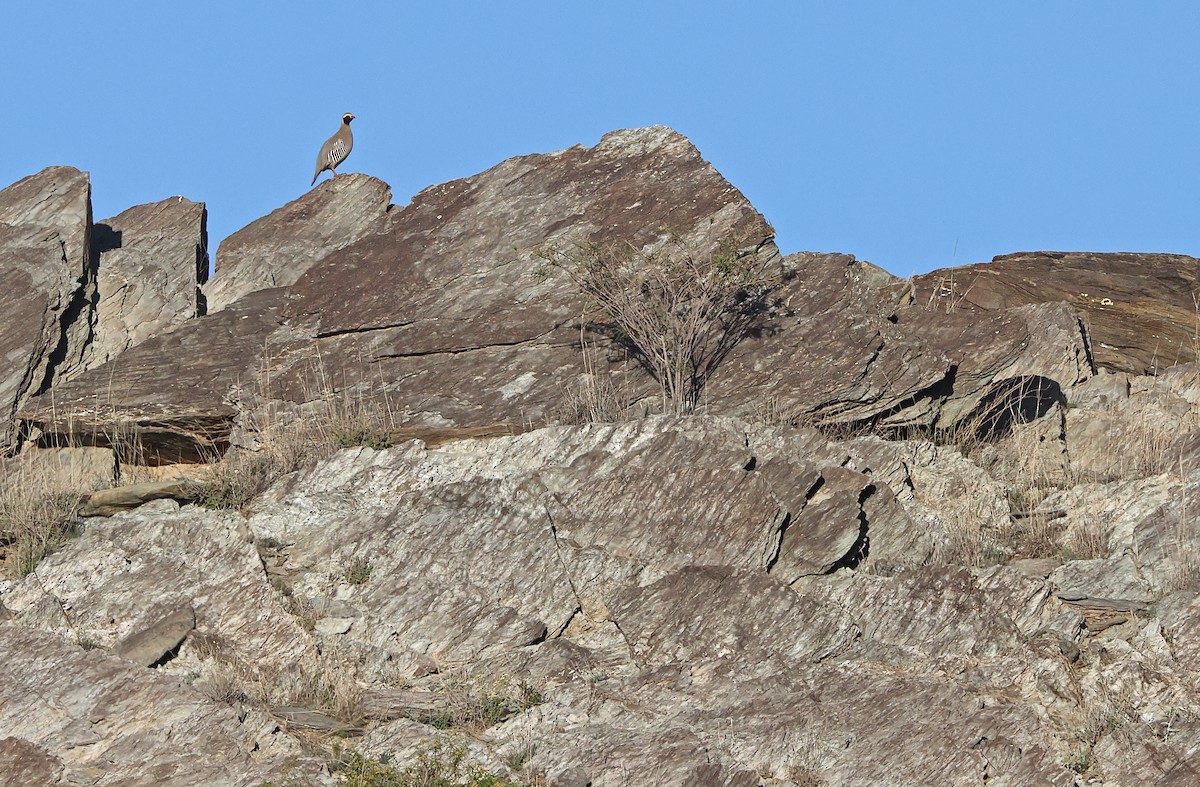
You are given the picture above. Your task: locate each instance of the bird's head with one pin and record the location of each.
(346, 118)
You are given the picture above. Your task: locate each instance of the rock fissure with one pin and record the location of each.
(451, 351)
(362, 329)
(566, 573)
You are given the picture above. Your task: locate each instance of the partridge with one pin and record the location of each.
(335, 149)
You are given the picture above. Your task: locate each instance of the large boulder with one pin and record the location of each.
(277, 249)
(153, 259)
(47, 285)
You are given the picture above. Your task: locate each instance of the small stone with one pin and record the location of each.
(331, 627)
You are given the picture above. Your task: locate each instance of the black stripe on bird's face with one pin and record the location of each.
(346, 118)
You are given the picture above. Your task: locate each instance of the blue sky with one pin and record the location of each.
(912, 134)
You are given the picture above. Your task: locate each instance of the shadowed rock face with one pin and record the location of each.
(1139, 308)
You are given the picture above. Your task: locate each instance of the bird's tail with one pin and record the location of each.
(314, 180)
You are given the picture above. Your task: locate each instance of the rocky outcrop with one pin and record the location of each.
(454, 289)
(907, 537)
(76, 295)
(446, 292)
(47, 286)
(176, 394)
(1140, 308)
(649, 590)
(152, 260)
(277, 249)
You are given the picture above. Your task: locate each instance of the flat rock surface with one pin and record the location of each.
(1109, 584)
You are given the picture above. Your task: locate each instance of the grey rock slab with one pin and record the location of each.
(463, 583)
(1008, 365)
(839, 722)
(938, 734)
(106, 502)
(110, 722)
(124, 575)
(275, 250)
(152, 261)
(1112, 583)
(1105, 390)
(923, 613)
(178, 391)
(829, 529)
(1166, 540)
(47, 282)
(150, 644)
(467, 244)
(710, 613)
(561, 520)
(735, 520)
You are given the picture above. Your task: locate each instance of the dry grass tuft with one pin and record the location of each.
(477, 702)
(41, 493)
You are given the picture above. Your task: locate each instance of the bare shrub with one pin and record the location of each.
(287, 444)
(34, 524)
(678, 309)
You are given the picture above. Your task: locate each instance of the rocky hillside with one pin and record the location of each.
(562, 474)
